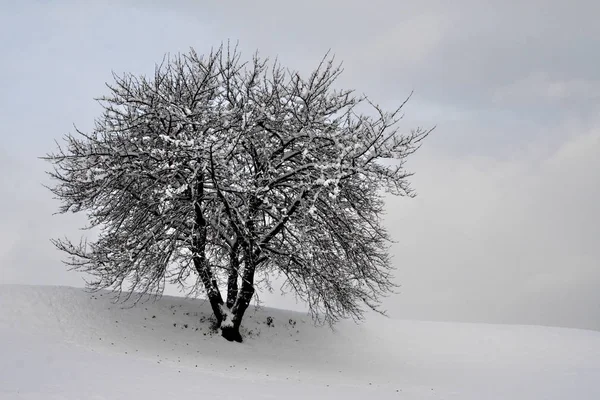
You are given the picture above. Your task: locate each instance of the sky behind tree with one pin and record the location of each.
(506, 224)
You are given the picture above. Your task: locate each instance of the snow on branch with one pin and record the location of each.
(223, 169)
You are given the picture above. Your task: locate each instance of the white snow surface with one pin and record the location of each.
(64, 343)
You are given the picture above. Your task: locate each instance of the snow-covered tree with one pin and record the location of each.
(237, 172)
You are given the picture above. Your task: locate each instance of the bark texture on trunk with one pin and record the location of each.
(198, 249)
(231, 330)
(210, 286)
(232, 281)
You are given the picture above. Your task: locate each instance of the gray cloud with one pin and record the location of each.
(505, 226)
(510, 241)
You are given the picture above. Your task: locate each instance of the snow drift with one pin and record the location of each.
(65, 343)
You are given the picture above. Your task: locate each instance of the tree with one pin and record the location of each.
(235, 172)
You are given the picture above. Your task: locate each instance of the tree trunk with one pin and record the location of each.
(231, 329)
(232, 281)
(199, 256)
(210, 285)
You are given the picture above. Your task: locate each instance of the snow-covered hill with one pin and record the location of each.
(64, 343)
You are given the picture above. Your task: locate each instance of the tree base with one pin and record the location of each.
(231, 333)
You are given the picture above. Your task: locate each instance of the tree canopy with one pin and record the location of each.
(230, 173)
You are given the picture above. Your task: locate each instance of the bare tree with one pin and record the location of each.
(229, 170)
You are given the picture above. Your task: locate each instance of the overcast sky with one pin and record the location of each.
(506, 225)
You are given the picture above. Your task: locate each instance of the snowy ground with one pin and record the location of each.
(63, 343)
